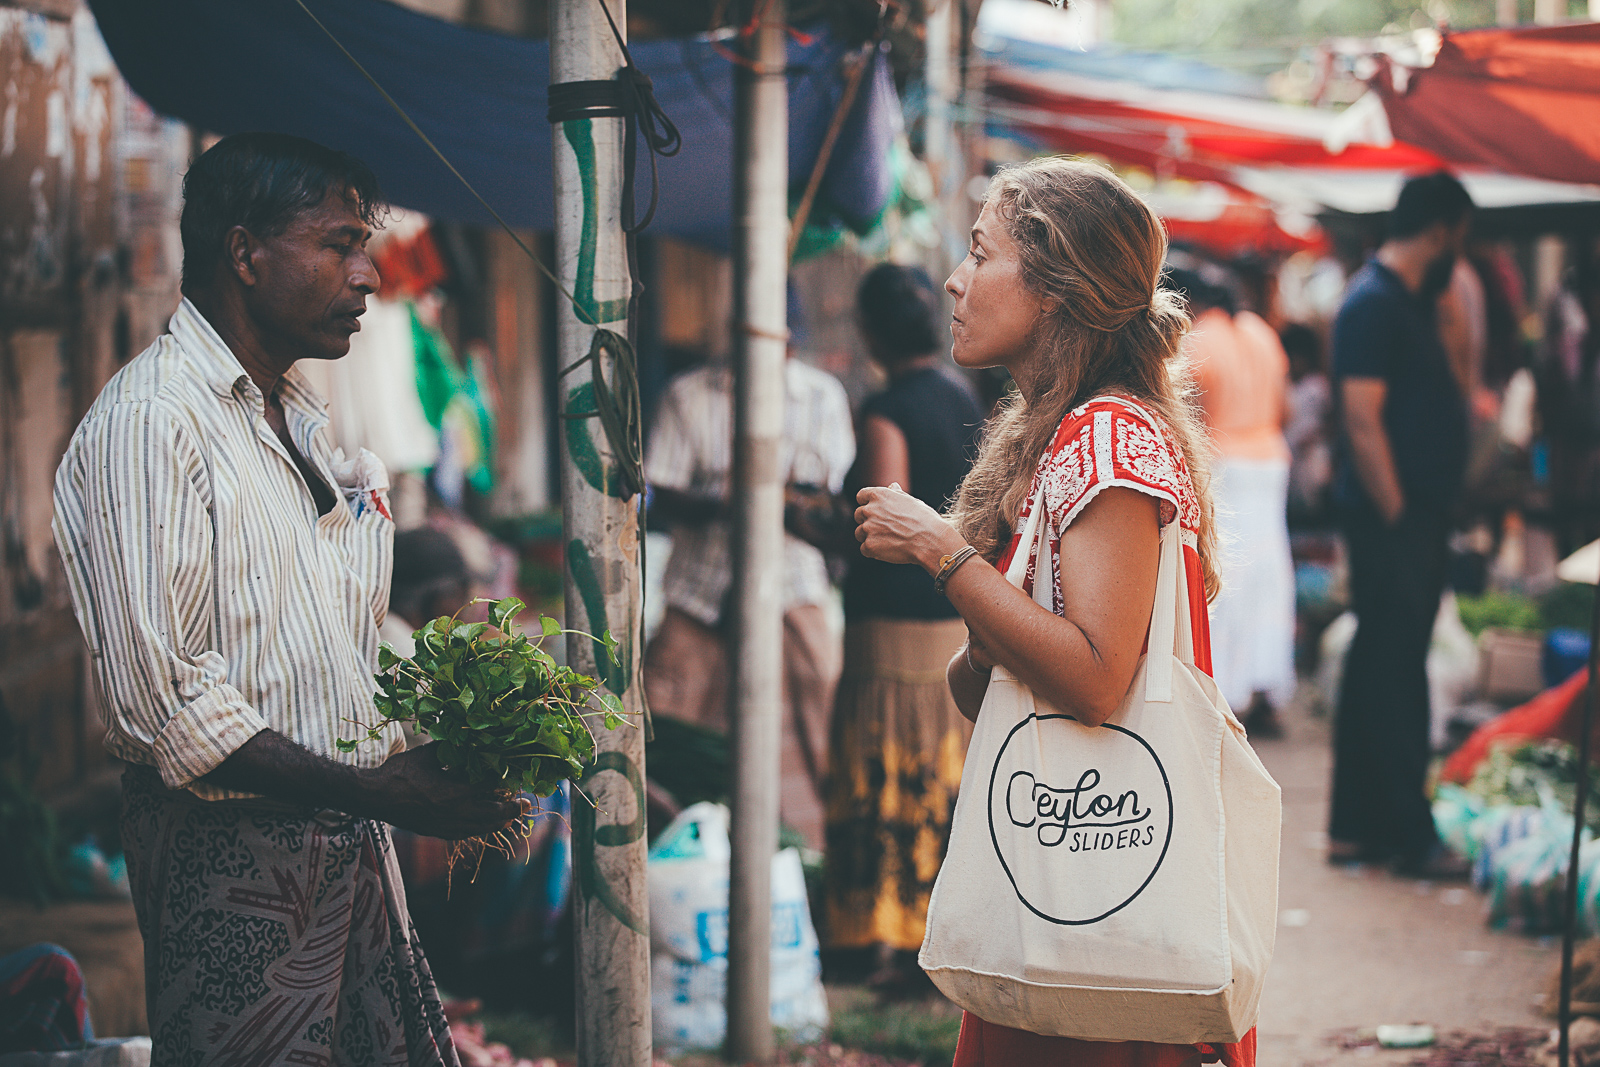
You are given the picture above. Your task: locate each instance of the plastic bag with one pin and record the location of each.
(688, 873)
(1496, 830)
(1452, 667)
(1528, 878)
(1454, 812)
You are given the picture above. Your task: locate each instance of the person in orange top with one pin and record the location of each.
(1060, 287)
(1243, 374)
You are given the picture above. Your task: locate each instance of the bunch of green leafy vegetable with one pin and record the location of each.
(1533, 773)
(500, 706)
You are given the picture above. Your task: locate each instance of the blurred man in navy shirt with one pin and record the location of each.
(1403, 454)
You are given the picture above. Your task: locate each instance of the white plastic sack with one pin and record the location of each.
(689, 937)
(1452, 667)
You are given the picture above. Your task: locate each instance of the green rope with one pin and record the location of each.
(616, 406)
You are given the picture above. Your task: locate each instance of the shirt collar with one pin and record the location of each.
(201, 342)
(223, 371)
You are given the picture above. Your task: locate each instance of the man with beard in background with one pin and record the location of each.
(1402, 457)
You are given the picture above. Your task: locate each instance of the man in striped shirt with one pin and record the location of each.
(689, 465)
(230, 572)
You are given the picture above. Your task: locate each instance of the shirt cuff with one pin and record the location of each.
(202, 734)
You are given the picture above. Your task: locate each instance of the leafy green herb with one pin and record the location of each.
(502, 709)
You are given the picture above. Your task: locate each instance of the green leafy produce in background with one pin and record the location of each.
(1534, 773)
(1568, 604)
(502, 709)
(1504, 611)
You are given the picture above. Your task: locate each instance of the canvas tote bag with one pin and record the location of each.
(1114, 883)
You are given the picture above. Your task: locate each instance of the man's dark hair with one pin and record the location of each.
(1200, 293)
(1426, 200)
(900, 310)
(261, 181)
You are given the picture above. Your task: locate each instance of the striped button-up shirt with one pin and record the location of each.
(691, 450)
(214, 599)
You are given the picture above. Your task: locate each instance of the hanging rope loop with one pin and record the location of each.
(616, 404)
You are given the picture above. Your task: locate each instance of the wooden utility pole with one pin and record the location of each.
(601, 530)
(760, 256)
(941, 149)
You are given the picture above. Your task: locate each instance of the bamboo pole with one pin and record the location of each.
(601, 532)
(1570, 905)
(761, 131)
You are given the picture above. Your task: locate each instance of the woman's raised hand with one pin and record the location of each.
(896, 527)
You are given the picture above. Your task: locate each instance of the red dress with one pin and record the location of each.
(1110, 441)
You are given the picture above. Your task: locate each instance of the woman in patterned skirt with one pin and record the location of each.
(1061, 287)
(897, 738)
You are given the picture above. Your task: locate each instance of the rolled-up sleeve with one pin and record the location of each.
(135, 536)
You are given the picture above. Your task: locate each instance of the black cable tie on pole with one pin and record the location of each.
(587, 100)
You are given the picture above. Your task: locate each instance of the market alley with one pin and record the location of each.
(1359, 948)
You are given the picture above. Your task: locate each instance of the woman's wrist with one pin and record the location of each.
(938, 548)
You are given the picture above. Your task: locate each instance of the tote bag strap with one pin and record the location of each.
(1027, 541)
(1166, 630)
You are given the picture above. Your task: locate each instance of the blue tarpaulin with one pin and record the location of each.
(264, 65)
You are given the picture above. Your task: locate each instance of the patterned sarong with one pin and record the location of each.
(275, 935)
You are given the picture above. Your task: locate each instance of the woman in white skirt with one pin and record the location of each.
(1243, 375)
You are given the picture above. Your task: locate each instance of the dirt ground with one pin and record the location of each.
(1359, 948)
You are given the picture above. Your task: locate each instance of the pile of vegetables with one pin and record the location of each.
(500, 706)
(1534, 774)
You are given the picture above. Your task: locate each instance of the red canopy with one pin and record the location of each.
(1229, 222)
(1526, 101)
(1202, 136)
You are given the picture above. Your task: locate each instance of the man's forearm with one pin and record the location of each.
(1374, 461)
(274, 766)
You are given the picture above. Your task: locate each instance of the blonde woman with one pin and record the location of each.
(1060, 287)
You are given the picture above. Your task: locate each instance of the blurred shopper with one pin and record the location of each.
(1242, 374)
(1402, 458)
(230, 572)
(1060, 287)
(1310, 406)
(898, 738)
(688, 465)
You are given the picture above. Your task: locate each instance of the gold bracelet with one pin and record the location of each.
(948, 565)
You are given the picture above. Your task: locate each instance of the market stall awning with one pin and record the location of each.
(1230, 222)
(481, 97)
(1186, 134)
(1526, 101)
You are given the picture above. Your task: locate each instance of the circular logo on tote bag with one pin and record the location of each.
(1080, 818)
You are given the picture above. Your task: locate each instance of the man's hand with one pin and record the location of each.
(411, 791)
(1362, 400)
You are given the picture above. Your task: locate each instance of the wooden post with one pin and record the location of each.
(760, 254)
(601, 529)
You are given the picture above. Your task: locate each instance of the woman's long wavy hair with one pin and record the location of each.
(1095, 250)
